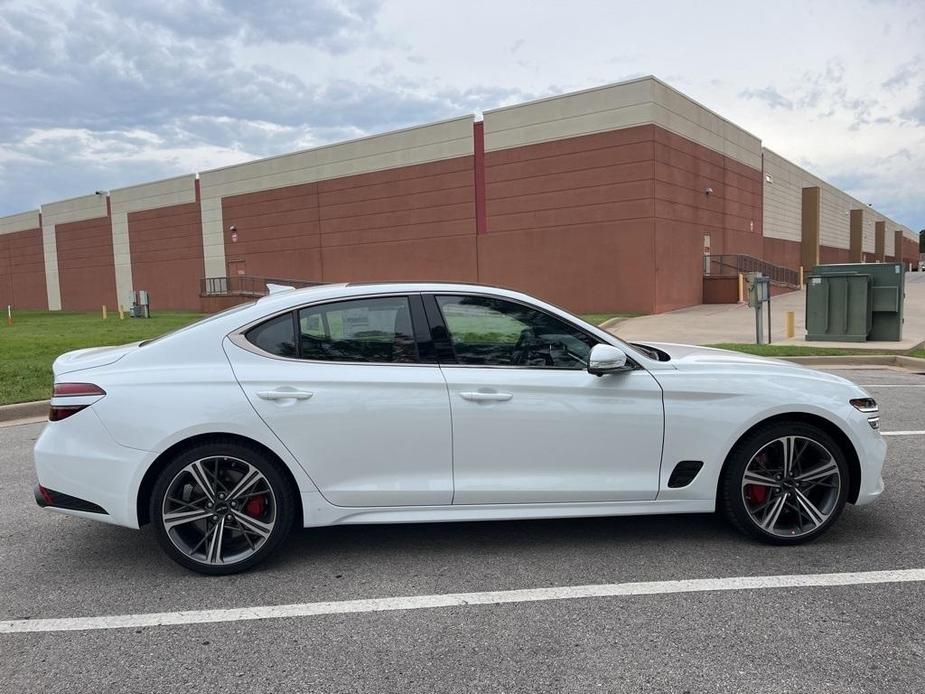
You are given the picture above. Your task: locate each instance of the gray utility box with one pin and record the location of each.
(856, 302)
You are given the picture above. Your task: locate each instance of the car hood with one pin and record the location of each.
(692, 354)
(692, 357)
(81, 359)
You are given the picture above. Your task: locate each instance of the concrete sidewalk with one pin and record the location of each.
(714, 323)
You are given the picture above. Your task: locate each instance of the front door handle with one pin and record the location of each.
(486, 397)
(284, 394)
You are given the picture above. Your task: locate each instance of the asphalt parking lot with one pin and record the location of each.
(861, 637)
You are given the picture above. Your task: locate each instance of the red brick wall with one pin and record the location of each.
(829, 255)
(85, 264)
(413, 223)
(572, 220)
(167, 261)
(782, 252)
(22, 270)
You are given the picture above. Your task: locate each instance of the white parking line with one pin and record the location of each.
(893, 385)
(903, 433)
(417, 602)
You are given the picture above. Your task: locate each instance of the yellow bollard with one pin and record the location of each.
(104, 312)
(802, 283)
(741, 287)
(121, 312)
(789, 322)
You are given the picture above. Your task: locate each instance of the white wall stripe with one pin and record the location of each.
(314, 609)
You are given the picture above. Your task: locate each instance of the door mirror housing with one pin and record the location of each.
(606, 359)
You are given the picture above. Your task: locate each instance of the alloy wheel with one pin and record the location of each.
(219, 510)
(791, 486)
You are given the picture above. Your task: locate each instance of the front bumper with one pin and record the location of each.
(871, 450)
(78, 458)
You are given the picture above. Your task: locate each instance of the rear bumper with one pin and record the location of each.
(49, 498)
(88, 471)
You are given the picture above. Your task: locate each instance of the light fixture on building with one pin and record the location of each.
(769, 178)
(234, 233)
(708, 191)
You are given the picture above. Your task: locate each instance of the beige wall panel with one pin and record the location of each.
(172, 191)
(419, 145)
(637, 102)
(402, 148)
(74, 210)
(52, 285)
(19, 222)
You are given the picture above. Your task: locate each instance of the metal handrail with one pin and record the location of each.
(245, 285)
(730, 265)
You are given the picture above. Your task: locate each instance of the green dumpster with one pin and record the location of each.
(855, 302)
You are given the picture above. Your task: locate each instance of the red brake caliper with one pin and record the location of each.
(756, 494)
(254, 508)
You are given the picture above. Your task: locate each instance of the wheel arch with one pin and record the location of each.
(828, 426)
(145, 489)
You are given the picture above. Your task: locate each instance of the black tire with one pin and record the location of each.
(277, 492)
(735, 499)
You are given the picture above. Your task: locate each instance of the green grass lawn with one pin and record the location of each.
(31, 344)
(807, 351)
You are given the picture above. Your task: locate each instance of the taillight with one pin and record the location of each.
(70, 398)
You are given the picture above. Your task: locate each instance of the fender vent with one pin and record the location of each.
(684, 473)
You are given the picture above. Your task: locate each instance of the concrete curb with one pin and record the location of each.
(913, 363)
(23, 410)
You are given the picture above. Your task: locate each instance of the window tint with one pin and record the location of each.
(276, 336)
(361, 330)
(494, 332)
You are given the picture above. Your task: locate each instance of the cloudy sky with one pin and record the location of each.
(100, 94)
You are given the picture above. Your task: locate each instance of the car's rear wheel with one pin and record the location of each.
(221, 508)
(786, 483)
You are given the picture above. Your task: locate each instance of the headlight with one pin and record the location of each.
(868, 406)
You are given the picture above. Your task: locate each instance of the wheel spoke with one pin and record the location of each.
(250, 478)
(789, 444)
(253, 525)
(199, 474)
(214, 554)
(171, 520)
(827, 469)
(813, 513)
(753, 478)
(770, 518)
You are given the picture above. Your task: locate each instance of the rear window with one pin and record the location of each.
(276, 336)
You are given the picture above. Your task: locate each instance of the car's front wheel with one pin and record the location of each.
(221, 508)
(786, 483)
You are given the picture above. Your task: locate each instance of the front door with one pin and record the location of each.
(352, 401)
(530, 424)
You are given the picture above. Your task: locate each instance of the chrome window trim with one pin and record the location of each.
(533, 307)
(237, 336)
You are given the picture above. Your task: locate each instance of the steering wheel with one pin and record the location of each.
(528, 345)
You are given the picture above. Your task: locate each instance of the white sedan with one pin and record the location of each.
(425, 402)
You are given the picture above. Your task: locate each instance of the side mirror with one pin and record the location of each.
(606, 359)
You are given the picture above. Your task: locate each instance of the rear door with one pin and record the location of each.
(530, 424)
(346, 388)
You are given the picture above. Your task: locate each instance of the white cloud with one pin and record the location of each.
(838, 86)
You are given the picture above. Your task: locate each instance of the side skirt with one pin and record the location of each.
(320, 513)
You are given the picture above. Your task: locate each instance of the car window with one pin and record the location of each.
(361, 330)
(276, 336)
(493, 332)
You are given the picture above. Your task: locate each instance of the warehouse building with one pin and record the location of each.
(602, 200)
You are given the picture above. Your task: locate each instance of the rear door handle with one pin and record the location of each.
(284, 394)
(486, 397)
